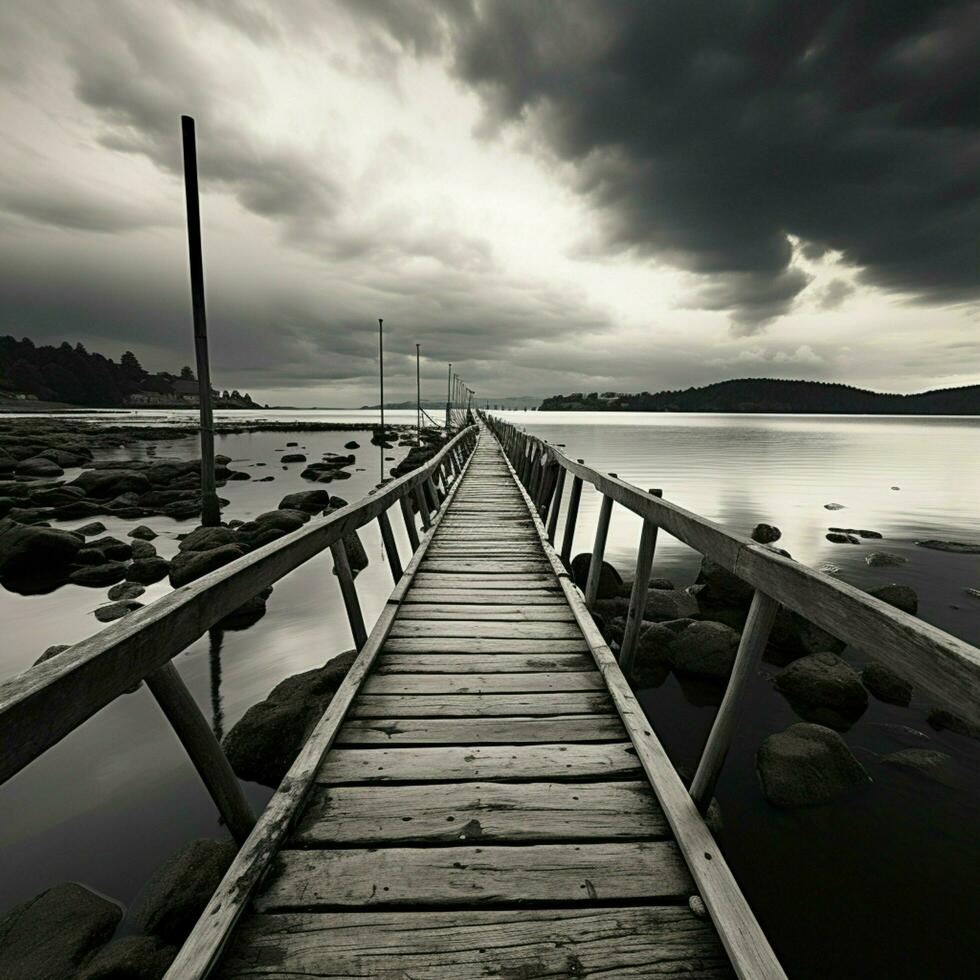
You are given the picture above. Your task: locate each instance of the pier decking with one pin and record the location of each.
(482, 810)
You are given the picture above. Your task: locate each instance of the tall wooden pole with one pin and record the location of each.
(210, 511)
(449, 392)
(381, 376)
(418, 396)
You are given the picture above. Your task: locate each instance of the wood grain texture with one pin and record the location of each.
(309, 879)
(473, 812)
(479, 705)
(452, 763)
(448, 644)
(502, 663)
(505, 730)
(622, 943)
(469, 683)
(483, 629)
(487, 597)
(475, 611)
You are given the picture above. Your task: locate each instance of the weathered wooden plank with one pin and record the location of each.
(474, 812)
(621, 943)
(524, 730)
(449, 644)
(468, 683)
(511, 762)
(478, 705)
(475, 663)
(480, 628)
(473, 611)
(442, 580)
(307, 879)
(486, 597)
(486, 566)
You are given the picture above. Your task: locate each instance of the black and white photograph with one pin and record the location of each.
(489, 489)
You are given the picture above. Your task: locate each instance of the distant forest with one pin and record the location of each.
(73, 376)
(771, 395)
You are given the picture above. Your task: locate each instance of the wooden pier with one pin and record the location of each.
(484, 796)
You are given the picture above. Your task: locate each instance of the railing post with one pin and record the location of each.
(536, 473)
(556, 504)
(755, 635)
(391, 549)
(434, 497)
(638, 594)
(598, 550)
(419, 492)
(410, 529)
(546, 489)
(199, 741)
(574, 497)
(349, 591)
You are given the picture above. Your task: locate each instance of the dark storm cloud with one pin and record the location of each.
(708, 132)
(75, 210)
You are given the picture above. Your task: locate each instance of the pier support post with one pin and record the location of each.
(575, 495)
(391, 549)
(638, 594)
(419, 493)
(410, 529)
(199, 741)
(349, 591)
(556, 505)
(598, 550)
(755, 636)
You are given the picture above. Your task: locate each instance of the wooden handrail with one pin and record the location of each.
(46, 702)
(941, 666)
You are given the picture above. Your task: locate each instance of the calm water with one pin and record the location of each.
(882, 885)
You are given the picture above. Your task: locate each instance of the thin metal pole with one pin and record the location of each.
(210, 510)
(449, 388)
(418, 398)
(381, 376)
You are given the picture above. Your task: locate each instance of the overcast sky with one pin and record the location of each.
(555, 196)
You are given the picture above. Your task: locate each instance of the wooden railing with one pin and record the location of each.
(944, 668)
(46, 702)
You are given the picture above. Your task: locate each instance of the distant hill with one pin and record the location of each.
(72, 376)
(772, 395)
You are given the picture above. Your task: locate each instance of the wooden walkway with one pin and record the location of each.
(482, 811)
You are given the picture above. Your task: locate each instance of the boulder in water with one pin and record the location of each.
(172, 900)
(30, 553)
(146, 571)
(766, 533)
(95, 576)
(144, 532)
(130, 958)
(824, 687)
(704, 648)
(882, 559)
(610, 581)
(190, 565)
(206, 538)
(885, 684)
(263, 744)
(52, 934)
(902, 597)
(807, 765)
(310, 501)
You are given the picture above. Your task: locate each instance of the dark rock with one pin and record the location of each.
(902, 597)
(337, 502)
(33, 553)
(56, 496)
(882, 559)
(67, 459)
(182, 510)
(144, 532)
(766, 533)
(706, 649)
(125, 590)
(929, 763)
(52, 652)
(206, 538)
(310, 501)
(78, 509)
(247, 614)
(651, 664)
(792, 637)
(288, 444)
(116, 610)
(721, 587)
(855, 531)
(38, 466)
(190, 565)
(838, 537)
(112, 549)
(956, 547)
(834, 507)
(885, 684)
(130, 958)
(30, 515)
(263, 744)
(98, 575)
(146, 571)
(610, 581)
(293, 458)
(352, 445)
(105, 484)
(96, 527)
(51, 935)
(942, 720)
(823, 680)
(807, 765)
(661, 583)
(284, 520)
(143, 549)
(172, 900)
(239, 475)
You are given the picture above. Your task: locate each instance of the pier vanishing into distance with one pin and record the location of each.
(483, 796)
